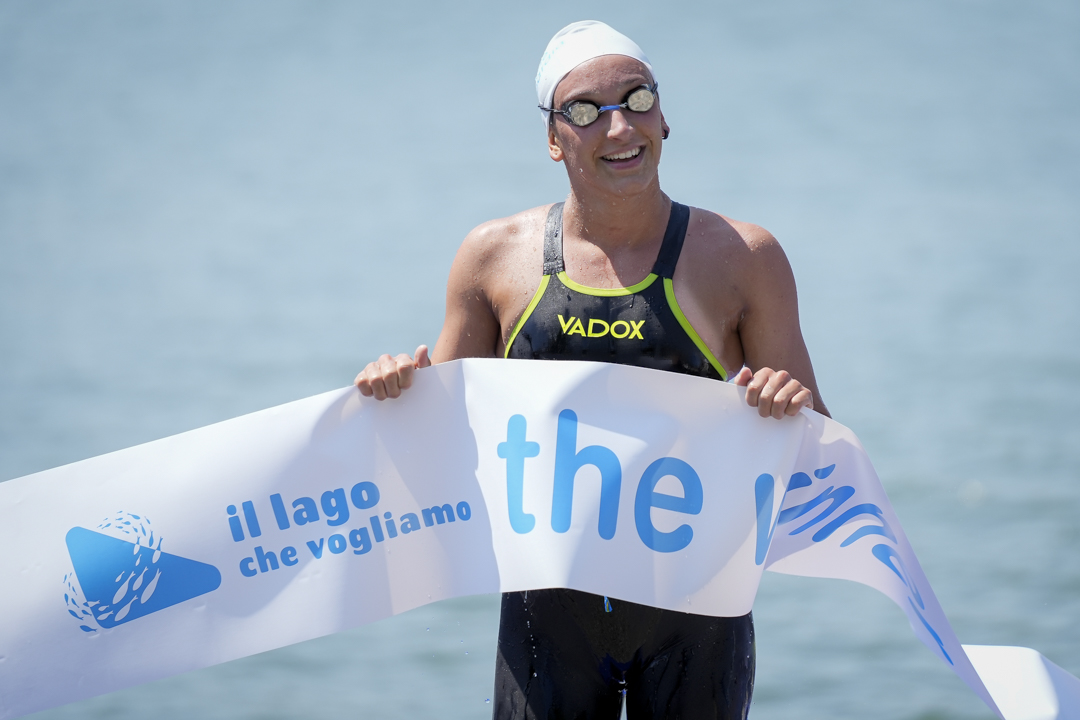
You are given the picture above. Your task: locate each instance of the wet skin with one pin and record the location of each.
(733, 281)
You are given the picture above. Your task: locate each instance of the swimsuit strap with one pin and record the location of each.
(666, 259)
(668, 256)
(553, 257)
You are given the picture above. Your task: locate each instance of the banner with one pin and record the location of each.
(489, 475)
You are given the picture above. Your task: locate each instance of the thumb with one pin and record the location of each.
(744, 377)
(422, 359)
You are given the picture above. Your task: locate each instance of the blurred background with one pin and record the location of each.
(207, 209)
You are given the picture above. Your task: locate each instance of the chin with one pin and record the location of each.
(633, 185)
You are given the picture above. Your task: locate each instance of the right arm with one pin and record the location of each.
(470, 328)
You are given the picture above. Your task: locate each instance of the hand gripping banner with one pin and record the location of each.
(489, 475)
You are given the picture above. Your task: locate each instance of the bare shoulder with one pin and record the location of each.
(723, 234)
(740, 246)
(490, 275)
(495, 240)
(500, 263)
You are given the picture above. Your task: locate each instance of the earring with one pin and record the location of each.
(665, 134)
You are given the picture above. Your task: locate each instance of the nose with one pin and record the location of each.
(620, 126)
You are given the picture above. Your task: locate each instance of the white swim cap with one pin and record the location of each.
(577, 43)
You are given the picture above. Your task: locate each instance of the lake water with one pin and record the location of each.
(207, 209)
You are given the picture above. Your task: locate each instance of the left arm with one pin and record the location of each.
(771, 336)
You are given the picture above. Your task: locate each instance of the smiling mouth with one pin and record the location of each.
(629, 154)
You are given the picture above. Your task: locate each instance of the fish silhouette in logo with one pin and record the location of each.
(121, 580)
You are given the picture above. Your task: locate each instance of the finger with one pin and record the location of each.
(422, 359)
(756, 384)
(363, 380)
(378, 388)
(784, 396)
(802, 399)
(389, 377)
(362, 385)
(767, 397)
(743, 377)
(405, 368)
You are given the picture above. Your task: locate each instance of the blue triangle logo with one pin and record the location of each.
(122, 581)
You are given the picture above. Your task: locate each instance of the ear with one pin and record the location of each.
(665, 130)
(554, 149)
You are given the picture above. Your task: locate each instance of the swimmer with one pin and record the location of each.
(619, 273)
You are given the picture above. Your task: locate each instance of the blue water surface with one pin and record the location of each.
(210, 208)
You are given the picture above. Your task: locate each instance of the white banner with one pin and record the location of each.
(490, 475)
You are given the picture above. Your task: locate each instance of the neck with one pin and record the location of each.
(614, 222)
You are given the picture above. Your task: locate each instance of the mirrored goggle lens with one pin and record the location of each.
(641, 100)
(582, 113)
(585, 113)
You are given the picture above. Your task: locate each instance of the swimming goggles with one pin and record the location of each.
(583, 112)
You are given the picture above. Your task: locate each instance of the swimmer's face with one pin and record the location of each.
(619, 152)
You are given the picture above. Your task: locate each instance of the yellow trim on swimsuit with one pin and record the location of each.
(528, 311)
(669, 292)
(607, 292)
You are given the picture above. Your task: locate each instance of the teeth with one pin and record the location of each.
(623, 155)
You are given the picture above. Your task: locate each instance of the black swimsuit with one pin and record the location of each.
(639, 325)
(570, 654)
